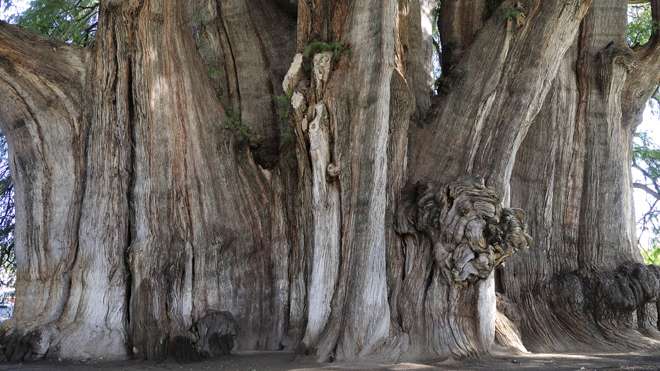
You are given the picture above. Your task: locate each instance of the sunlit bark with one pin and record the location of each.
(268, 175)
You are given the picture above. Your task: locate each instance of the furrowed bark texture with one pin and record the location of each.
(352, 102)
(367, 105)
(469, 131)
(584, 286)
(42, 90)
(267, 175)
(160, 189)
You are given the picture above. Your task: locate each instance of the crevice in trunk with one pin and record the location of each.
(130, 233)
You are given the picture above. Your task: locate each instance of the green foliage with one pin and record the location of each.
(646, 150)
(283, 109)
(316, 47)
(640, 25)
(514, 15)
(233, 122)
(511, 14)
(651, 256)
(283, 106)
(70, 21)
(646, 161)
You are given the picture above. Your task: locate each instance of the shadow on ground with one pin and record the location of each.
(271, 361)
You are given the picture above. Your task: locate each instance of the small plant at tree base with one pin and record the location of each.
(233, 122)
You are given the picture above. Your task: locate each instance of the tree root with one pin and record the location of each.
(211, 336)
(591, 310)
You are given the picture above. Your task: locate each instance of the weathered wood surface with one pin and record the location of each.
(202, 178)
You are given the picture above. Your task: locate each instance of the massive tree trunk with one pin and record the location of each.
(275, 175)
(583, 286)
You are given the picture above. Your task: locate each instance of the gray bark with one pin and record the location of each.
(43, 120)
(584, 287)
(169, 204)
(476, 128)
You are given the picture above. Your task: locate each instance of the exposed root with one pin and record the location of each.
(507, 326)
(211, 336)
(30, 345)
(591, 311)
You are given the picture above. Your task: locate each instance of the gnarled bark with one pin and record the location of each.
(584, 287)
(237, 178)
(470, 132)
(455, 235)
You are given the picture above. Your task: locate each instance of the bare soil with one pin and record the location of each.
(271, 361)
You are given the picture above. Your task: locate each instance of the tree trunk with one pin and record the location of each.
(43, 120)
(483, 117)
(172, 226)
(260, 175)
(583, 286)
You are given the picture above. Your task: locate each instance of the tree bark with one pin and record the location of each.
(584, 286)
(45, 126)
(480, 137)
(263, 176)
(171, 228)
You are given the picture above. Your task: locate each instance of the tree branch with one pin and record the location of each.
(37, 78)
(458, 23)
(22, 52)
(646, 189)
(493, 93)
(647, 175)
(644, 75)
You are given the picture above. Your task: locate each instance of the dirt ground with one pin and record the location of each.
(271, 361)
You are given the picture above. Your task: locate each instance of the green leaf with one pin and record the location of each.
(640, 25)
(70, 21)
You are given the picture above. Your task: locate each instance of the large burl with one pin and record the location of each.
(468, 229)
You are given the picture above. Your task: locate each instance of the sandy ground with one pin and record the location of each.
(270, 361)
